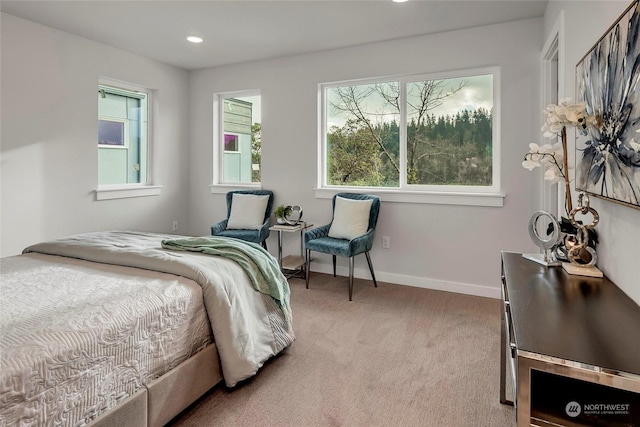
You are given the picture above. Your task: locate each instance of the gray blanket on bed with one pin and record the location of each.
(260, 266)
(246, 329)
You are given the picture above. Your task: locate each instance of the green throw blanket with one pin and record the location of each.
(260, 266)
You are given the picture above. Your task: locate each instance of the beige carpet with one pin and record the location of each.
(394, 356)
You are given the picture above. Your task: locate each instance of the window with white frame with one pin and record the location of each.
(431, 133)
(237, 138)
(123, 135)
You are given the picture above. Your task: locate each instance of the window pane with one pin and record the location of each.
(449, 131)
(230, 142)
(363, 137)
(242, 144)
(110, 132)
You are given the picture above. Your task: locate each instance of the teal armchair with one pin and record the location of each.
(258, 236)
(318, 240)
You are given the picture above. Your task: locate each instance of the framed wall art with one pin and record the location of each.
(608, 81)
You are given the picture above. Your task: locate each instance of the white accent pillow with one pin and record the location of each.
(350, 218)
(247, 211)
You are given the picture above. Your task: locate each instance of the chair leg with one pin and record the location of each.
(371, 268)
(334, 266)
(350, 277)
(307, 272)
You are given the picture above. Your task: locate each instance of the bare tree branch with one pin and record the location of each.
(424, 97)
(352, 102)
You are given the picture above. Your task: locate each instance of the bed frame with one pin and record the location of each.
(167, 396)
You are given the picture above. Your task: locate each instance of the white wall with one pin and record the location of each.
(439, 246)
(49, 155)
(49, 130)
(619, 227)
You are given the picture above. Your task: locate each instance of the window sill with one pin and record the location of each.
(109, 192)
(420, 197)
(225, 188)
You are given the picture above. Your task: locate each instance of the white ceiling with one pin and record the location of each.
(240, 30)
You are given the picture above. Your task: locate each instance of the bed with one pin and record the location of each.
(127, 328)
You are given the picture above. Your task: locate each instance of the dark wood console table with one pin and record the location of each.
(571, 345)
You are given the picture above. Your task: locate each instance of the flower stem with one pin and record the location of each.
(567, 187)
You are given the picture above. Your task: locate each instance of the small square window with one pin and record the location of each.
(111, 133)
(230, 142)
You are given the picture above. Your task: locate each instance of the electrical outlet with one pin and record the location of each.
(175, 225)
(386, 242)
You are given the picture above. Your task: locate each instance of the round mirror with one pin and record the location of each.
(544, 230)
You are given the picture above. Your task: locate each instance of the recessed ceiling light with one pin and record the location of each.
(399, 1)
(194, 39)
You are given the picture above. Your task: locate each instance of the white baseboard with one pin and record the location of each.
(417, 282)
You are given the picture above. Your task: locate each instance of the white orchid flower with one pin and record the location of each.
(536, 157)
(546, 161)
(552, 128)
(551, 175)
(558, 152)
(565, 114)
(561, 111)
(551, 156)
(574, 115)
(564, 101)
(547, 155)
(546, 149)
(530, 164)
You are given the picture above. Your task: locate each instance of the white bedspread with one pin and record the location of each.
(248, 327)
(80, 337)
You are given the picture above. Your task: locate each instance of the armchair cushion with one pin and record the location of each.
(247, 212)
(340, 247)
(316, 233)
(246, 235)
(350, 218)
(218, 227)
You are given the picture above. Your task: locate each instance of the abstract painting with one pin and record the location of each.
(608, 81)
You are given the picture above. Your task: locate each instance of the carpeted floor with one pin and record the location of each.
(394, 356)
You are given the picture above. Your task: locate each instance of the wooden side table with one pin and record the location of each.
(291, 265)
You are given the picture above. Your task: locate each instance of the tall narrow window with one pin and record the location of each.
(123, 122)
(237, 138)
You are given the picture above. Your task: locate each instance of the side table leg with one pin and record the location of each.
(303, 268)
(280, 248)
